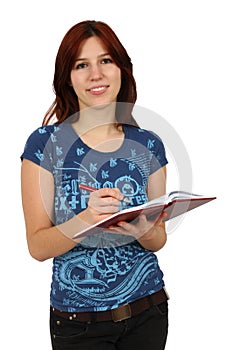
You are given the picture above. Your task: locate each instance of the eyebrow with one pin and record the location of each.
(99, 56)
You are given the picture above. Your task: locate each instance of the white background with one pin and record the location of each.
(182, 56)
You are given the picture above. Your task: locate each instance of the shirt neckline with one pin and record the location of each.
(121, 147)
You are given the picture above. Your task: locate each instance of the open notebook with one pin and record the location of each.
(174, 203)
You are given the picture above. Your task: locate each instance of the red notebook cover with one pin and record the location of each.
(173, 207)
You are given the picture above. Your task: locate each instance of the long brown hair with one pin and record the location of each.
(66, 101)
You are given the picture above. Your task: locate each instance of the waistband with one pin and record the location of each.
(121, 313)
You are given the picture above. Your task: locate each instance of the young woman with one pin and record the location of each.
(107, 290)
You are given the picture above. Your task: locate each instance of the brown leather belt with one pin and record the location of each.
(119, 314)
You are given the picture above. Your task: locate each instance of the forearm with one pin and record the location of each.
(155, 238)
(53, 241)
(46, 241)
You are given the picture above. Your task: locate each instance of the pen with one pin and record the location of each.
(92, 189)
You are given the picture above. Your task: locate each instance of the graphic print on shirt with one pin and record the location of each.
(99, 173)
(111, 272)
(107, 270)
(104, 276)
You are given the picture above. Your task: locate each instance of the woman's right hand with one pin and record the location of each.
(102, 203)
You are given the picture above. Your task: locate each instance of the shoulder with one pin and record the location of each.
(44, 132)
(150, 141)
(146, 137)
(42, 135)
(38, 145)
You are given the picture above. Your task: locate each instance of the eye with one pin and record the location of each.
(106, 60)
(80, 65)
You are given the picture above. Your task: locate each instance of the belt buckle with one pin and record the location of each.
(121, 313)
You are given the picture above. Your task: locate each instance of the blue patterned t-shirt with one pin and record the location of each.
(106, 270)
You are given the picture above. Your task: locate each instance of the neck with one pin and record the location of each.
(98, 128)
(101, 117)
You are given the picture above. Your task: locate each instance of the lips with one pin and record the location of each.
(98, 90)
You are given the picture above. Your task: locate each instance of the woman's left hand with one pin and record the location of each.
(139, 229)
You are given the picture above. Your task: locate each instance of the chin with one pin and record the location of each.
(99, 106)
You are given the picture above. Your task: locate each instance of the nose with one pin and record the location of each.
(96, 72)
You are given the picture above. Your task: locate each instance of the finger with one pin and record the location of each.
(116, 230)
(161, 218)
(107, 209)
(158, 219)
(109, 201)
(130, 229)
(103, 204)
(144, 224)
(142, 218)
(120, 230)
(111, 192)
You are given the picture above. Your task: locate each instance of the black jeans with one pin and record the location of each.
(146, 331)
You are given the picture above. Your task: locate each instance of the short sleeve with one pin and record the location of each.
(156, 147)
(38, 148)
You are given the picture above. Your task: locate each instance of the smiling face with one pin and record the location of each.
(95, 78)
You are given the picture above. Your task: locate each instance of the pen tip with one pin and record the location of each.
(126, 200)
